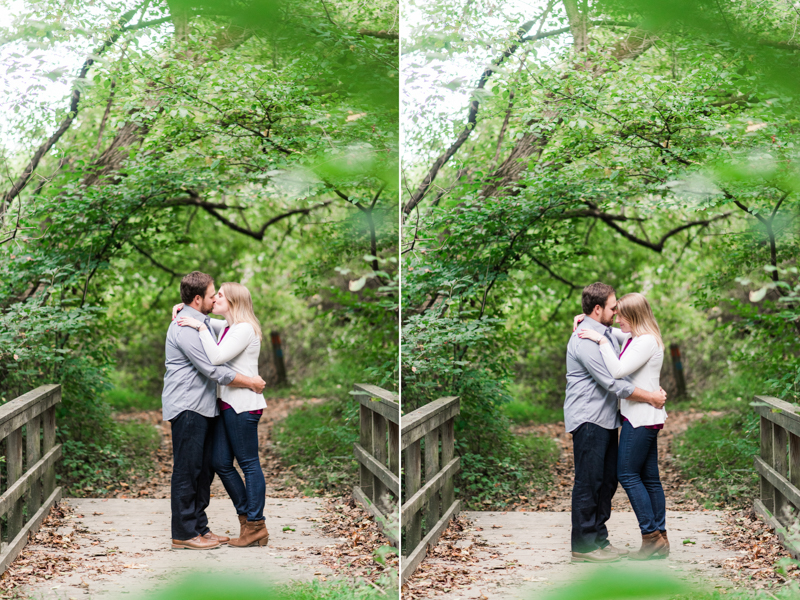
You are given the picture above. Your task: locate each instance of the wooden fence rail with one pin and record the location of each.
(435, 501)
(378, 456)
(28, 495)
(779, 467)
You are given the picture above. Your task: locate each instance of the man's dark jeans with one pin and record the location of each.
(237, 436)
(638, 473)
(595, 451)
(192, 474)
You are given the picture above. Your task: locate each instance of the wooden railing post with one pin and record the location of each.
(779, 463)
(365, 477)
(379, 452)
(413, 467)
(432, 422)
(767, 491)
(379, 411)
(779, 469)
(431, 469)
(14, 464)
(33, 444)
(23, 489)
(448, 451)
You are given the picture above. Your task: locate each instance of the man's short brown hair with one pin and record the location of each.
(594, 294)
(193, 285)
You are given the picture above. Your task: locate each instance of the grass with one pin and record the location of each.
(126, 400)
(532, 405)
(319, 439)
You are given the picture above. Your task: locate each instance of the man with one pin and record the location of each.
(189, 402)
(591, 416)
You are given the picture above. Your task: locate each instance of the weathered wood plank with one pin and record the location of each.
(33, 452)
(377, 392)
(384, 523)
(16, 545)
(379, 453)
(767, 490)
(778, 411)
(794, 460)
(432, 486)
(394, 448)
(431, 469)
(410, 563)
(48, 443)
(19, 487)
(427, 418)
(389, 479)
(15, 407)
(780, 464)
(25, 408)
(448, 450)
(365, 476)
(387, 409)
(412, 466)
(773, 523)
(777, 481)
(14, 466)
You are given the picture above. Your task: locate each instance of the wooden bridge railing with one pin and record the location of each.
(378, 455)
(28, 495)
(779, 467)
(436, 499)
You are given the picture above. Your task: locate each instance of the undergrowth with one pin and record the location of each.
(318, 441)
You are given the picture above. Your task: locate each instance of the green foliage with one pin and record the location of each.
(224, 587)
(660, 156)
(122, 400)
(263, 154)
(489, 482)
(89, 469)
(318, 441)
(717, 453)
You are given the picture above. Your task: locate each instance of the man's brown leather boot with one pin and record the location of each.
(255, 532)
(653, 546)
(222, 539)
(196, 543)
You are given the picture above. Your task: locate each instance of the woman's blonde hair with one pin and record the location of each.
(636, 310)
(241, 304)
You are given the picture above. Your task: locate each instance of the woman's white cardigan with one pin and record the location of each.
(641, 365)
(239, 349)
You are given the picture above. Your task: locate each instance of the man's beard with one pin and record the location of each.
(609, 322)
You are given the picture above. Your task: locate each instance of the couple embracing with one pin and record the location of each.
(212, 397)
(612, 380)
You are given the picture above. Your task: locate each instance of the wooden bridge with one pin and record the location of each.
(116, 546)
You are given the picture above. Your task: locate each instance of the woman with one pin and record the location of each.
(637, 462)
(236, 435)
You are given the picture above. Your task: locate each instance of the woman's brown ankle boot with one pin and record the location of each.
(664, 535)
(653, 546)
(242, 521)
(255, 532)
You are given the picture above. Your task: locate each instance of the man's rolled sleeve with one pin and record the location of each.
(193, 348)
(592, 359)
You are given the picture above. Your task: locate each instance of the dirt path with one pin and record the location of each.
(281, 482)
(680, 494)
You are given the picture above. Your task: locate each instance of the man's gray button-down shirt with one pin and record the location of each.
(190, 382)
(592, 392)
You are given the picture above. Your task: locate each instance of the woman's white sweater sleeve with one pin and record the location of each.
(234, 342)
(636, 355)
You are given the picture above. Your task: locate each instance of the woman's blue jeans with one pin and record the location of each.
(637, 471)
(236, 436)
